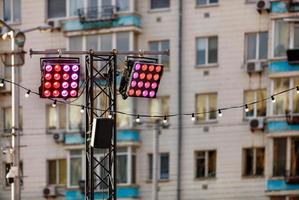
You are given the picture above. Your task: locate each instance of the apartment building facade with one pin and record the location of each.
(231, 54)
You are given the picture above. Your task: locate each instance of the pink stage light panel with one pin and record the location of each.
(60, 79)
(145, 79)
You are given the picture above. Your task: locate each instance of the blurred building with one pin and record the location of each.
(232, 52)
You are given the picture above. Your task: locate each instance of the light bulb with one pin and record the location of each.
(54, 104)
(193, 117)
(273, 99)
(82, 110)
(27, 94)
(138, 119)
(165, 120)
(219, 113)
(246, 108)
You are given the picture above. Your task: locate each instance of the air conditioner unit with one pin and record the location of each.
(50, 191)
(58, 137)
(255, 67)
(263, 5)
(56, 24)
(257, 124)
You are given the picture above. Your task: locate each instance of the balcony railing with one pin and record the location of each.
(93, 14)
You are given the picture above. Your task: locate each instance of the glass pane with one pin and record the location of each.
(212, 105)
(62, 172)
(75, 171)
(281, 38)
(52, 172)
(295, 157)
(75, 43)
(213, 1)
(201, 51)
(260, 161)
(92, 42)
(52, 117)
(262, 105)
(279, 156)
(16, 10)
(154, 46)
(212, 164)
(281, 106)
(7, 10)
(76, 153)
(123, 106)
(92, 8)
(150, 166)
(122, 169)
(7, 119)
(133, 171)
(164, 58)
(106, 42)
(56, 8)
(75, 116)
(201, 106)
(251, 46)
(156, 4)
(213, 50)
(248, 162)
(74, 5)
(122, 41)
(62, 116)
(263, 48)
(123, 5)
(200, 164)
(164, 166)
(249, 97)
(296, 98)
(201, 2)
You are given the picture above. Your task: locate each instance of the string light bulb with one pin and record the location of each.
(2, 83)
(137, 119)
(219, 113)
(246, 108)
(165, 120)
(110, 116)
(297, 88)
(193, 117)
(54, 104)
(27, 94)
(82, 109)
(273, 99)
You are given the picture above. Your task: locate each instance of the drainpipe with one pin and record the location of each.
(180, 122)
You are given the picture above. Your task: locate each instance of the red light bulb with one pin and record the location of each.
(56, 85)
(65, 76)
(158, 68)
(47, 85)
(73, 93)
(142, 75)
(57, 76)
(47, 93)
(156, 77)
(55, 93)
(138, 93)
(48, 76)
(151, 68)
(144, 67)
(57, 68)
(131, 92)
(149, 77)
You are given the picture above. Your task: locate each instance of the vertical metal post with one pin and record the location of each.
(15, 137)
(87, 130)
(156, 133)
(91, 117)
(114, 128)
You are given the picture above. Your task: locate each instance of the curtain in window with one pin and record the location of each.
(279, 156)
(281, 105)
(75, 116)
(212, 105)
(213, 50)
(281, 38)
(200, 164)
(251, 46)
(124, 106)
(201, 107)
(165, 59)
(212, 164)
(260, 161)
(261, 107)
(123, 5)
(122, 169)
(7, 10)
(295, 157)
(56, 8)
(7, 119)
(249, 97)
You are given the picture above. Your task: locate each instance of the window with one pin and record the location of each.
(206, 2)
(7, 119)
(57, 172)
(159, 4)
(56, 117)
(12, 10)
(159, 106)
(122, 5)
(74, 5)
(75, 167)
(162, 45)
(253, 161)
(259, 109)
(256, 46)
(205, 164)
(286, 102)
(56, 8)
(295, 157)
(204, 103)
(206, 50)
(163, 170)
(279, 156)
(126, 165)
(281, 38)
(124, 106)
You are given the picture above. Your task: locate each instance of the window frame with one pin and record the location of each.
(257, 48)
(158, 9)
(208, 4)
(206, 64)
(8, 130)
(159, 57)
(207, 106)
(12, 20)
(150, 161)
(57, 171)
(273, 39)
(255, 106)
(69, 157)
(206, 167)
(254, 167)
(160, 105)
(129, 153)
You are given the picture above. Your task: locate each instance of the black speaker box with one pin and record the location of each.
(101, 134)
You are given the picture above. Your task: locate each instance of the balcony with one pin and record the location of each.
(99, 18)
(280, 185)
(278, 67)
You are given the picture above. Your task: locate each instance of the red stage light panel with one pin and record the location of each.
(60, 78)
(145, 79)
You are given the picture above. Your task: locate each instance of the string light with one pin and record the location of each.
(193, 117)
(2, 83)
(273, 99)
(110, 116)
(219, 113)
(54, 104)
(137, 119)
(27, 94)
(82, 109)
(246, 108)
(297, 88)
(165, 120)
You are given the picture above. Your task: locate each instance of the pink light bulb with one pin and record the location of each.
(75, 76)
(135, 75)
(145, 93)
(154, 85)
(65, 85)
(73, 93)
(152, 93)
(147, 85)
(140, 84)
(49, 68)
(64, 93)
(133, 83)
(74, 85)
(66, 68)
(137, 67)
(75, 68)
